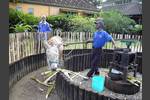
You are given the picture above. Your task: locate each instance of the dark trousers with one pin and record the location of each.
(95, 60)
(39, 42)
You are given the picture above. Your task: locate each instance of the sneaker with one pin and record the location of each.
(97, 73)
(90, 74)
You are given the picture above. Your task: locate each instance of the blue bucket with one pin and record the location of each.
(98, 83)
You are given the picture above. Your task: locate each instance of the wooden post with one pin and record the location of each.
(87, 95)
(94, 95)
(81, 93)
(71, 93)
(76, 92)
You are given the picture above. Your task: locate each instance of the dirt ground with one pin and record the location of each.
(27, 89)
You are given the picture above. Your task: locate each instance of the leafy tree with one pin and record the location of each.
(61, 21)
(15, 17)
(137, 29)
(67, 22)
(20, 19)
(82, 24)
(30, 19)
(117, 22)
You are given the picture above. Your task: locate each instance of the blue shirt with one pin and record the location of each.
(100, 38)
(44, 27)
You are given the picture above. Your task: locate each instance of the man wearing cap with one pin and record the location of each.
(100, 38)
(43, 29)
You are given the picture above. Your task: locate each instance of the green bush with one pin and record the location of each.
(22, 28)
(65, 22)
(61, 21)
(137, 29)
(72, 23)
(30, 19)
(116, 22)
(18, 21)
(15, 17)
(82, 24)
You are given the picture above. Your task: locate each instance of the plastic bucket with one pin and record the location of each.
(98, 83)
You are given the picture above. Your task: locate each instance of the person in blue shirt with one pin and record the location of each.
(100, 38)
(44, 28)
(43, 32)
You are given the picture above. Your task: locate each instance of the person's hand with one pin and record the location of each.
(88, 41)
(65, 44)
(115, 47)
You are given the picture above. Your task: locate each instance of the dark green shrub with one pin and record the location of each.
(61, 21)
(18, 21)
(137, 29)
(68, 22)
(82, 24)
(15, 17)
(116, 22)
(22, 28)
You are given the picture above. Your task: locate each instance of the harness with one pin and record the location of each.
(53, 62)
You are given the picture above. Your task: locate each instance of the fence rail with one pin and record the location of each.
(24, 44)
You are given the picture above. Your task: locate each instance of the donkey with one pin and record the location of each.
(54, 51)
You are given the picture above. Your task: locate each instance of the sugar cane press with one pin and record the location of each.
(122, 72)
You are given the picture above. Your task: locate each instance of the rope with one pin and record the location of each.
(68, 53)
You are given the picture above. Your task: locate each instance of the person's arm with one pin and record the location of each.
(89, 41)
(49, 27)
(110, 38)
(113, 43)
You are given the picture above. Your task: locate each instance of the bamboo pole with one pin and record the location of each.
(38, 81)
(46, 81)
(50, 89)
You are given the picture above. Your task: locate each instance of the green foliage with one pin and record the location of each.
(30, 19)
(136, 29)
(17, 18)
(75, 23)
(117, 22)
(61, 21)
(22, 28)
(82, 24)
